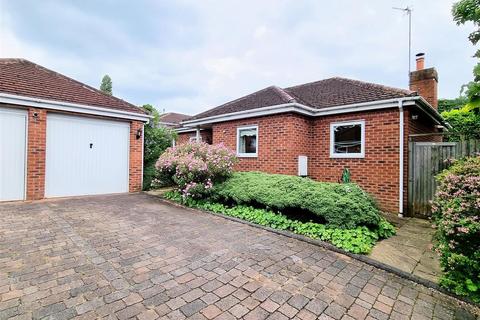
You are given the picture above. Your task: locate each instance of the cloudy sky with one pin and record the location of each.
(188, 56)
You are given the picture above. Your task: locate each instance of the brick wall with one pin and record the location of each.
(378, 172)
(36, 151)
(37, 133)
(281, 139)
(185, 136)
(136, 158)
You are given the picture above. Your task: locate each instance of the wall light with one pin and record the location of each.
(139, 133)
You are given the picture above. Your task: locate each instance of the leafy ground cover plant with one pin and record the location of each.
(456, 210)
(194, 167)
(343, 205)
(357, 240)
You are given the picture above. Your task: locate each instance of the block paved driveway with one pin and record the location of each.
(132, 256)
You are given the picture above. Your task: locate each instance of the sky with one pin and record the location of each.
(188, 56)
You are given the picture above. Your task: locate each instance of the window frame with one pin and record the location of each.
(242, 154)
(360, 155)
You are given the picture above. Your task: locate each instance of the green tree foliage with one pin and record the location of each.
(450, 104)
(106, 85)
(466, 120)
(465, 123)
(157, 140)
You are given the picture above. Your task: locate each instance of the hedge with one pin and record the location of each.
(339, 205)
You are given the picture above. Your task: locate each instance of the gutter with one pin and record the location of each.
(71, 107)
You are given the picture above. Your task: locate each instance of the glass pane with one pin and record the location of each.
(348, 138)
(248, 141)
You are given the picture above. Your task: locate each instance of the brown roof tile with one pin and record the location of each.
(25, 78)
(319, 94)
(172, 117)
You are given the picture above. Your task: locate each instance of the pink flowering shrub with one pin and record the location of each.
(456, 209)
(194, 167)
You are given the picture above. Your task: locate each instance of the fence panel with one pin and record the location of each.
(426, 160)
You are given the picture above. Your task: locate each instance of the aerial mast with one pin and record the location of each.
(408, 11)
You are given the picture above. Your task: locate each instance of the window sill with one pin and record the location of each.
(347, 156)
(247, 155)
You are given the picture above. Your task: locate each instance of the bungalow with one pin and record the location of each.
(321, 128)
(60, 137)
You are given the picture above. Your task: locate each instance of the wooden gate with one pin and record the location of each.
(426, 160)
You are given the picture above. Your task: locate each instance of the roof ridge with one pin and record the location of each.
(97, 91)
(354, 82)
(359, 82)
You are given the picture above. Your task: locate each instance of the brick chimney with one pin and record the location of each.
(425, 81)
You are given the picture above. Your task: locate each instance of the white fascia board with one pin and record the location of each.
(259, 112)
(70, 107)
(309, 111)
(185, 130)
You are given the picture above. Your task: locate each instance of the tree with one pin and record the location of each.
(466, 120)
(156, 140)
(106, 85)
(450, 104)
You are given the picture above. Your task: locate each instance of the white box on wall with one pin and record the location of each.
(302, 166)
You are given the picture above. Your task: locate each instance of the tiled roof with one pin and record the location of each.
(25, 78)
(320, 94)
(172, 117)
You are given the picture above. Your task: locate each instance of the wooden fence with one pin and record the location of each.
(426, 160)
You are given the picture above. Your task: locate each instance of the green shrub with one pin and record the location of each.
(340, 205)
(456, 210)
(358, 240)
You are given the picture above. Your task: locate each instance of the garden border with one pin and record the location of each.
(331, 247)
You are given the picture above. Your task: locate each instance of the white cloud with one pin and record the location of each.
(190, 55)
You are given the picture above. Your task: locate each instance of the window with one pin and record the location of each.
(193, 138)
(247, 141)
(347, 139)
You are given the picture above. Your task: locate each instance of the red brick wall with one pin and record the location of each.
(185, 136)
(281, 139)
(136, 157)
(36, 150)
(37, 133)
(378, 172)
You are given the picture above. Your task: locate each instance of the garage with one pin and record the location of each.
(86, 156)
(60, 137)
(13, 124)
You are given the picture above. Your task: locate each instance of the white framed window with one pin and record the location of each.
(347, 139)
(247, 141)
(194, 138)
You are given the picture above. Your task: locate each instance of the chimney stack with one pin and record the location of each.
(425, 81)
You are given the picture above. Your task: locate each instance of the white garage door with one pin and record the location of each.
(86, 156)
(13, 124)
